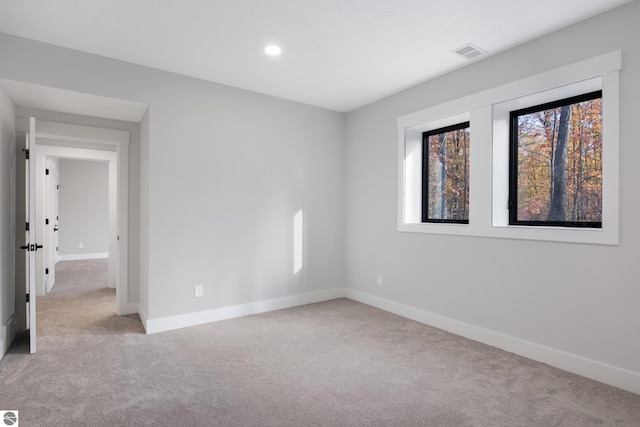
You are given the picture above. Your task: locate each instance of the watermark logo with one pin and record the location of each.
(9, 418)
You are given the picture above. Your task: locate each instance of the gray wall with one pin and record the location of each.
(228, 170)
(580, 299)
(7, 215)
(20, 234)
(83, 207)
(225, 172)
(143, 231)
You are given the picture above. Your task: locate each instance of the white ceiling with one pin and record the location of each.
(337, 54)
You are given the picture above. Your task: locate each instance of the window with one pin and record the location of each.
(445, 174)
(555, 158)
(592, 193)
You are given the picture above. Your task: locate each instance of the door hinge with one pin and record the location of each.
(46, 221)
(46, 171)
(46, 271)
(27, 297)
(27, 227)
(26, 154)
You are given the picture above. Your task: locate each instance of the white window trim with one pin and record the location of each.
(488, 174)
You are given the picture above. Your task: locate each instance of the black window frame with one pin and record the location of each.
(425, 173)
(513, 162)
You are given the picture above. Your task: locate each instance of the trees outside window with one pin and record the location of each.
(556, 163)
(445, 174)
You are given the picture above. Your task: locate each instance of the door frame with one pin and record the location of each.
(58, 137)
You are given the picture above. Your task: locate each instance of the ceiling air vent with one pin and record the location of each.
(469, 51)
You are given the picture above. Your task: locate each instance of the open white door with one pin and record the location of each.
(51, 223)
(31, 245)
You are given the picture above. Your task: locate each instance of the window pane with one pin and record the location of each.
(446, 174)
(558, 163)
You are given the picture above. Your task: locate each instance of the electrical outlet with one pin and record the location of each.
(199, 291)
(379, 279)
(80, 245)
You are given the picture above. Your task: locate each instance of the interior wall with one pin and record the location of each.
(226, 179)
(83, 207)
(7, 219)
(573, 298)
(20, 214)
(227, 172)
(143, 231)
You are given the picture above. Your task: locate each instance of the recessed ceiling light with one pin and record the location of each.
(272, 50)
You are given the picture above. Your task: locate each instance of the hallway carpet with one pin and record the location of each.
(336, 363)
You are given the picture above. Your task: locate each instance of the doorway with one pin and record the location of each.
(74, 210)
(75, 214)
(53, 147)
(56, 141)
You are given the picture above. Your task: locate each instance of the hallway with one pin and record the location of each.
(80, 303)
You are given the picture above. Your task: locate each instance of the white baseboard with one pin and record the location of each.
(76, 257)
(191, 319)
(592, 369)
(7, 334)
(143, 318)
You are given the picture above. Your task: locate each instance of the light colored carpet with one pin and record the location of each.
(337, 363)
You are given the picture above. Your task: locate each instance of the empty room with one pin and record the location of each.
(319, 213)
